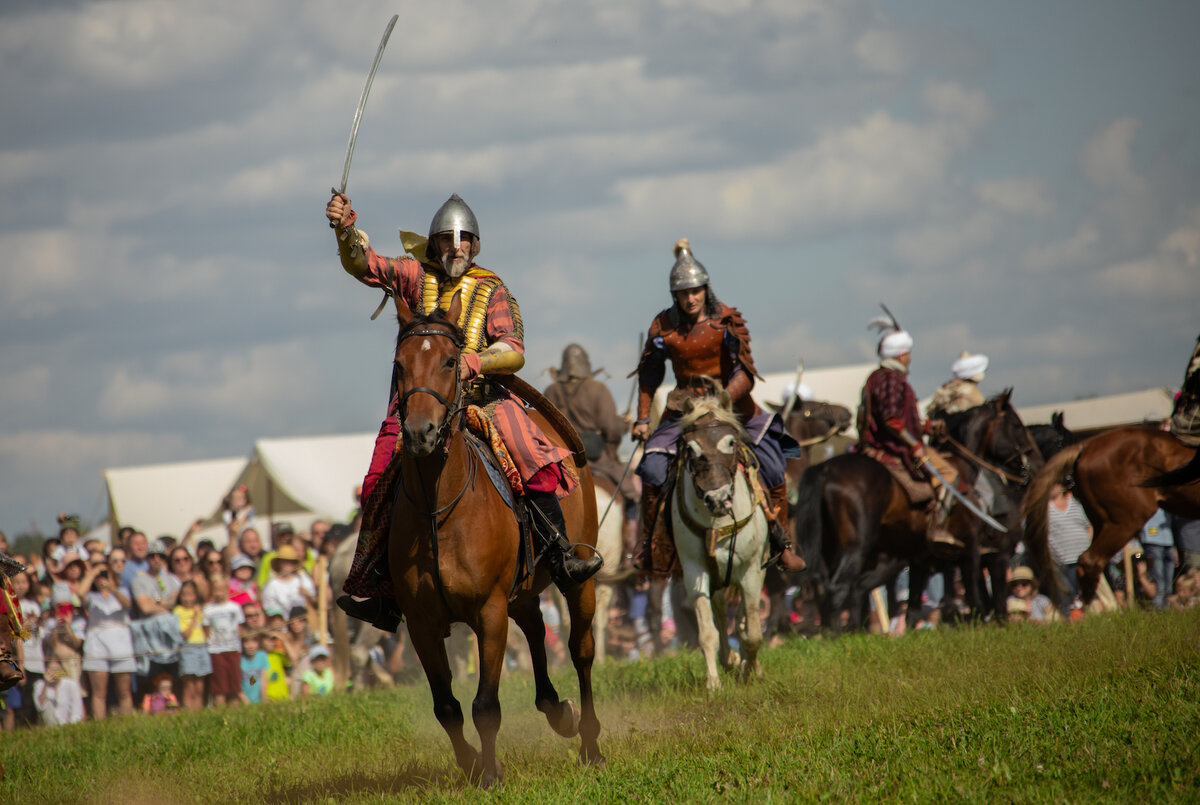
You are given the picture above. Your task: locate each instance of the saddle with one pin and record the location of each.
(918, 490)
(369, 576)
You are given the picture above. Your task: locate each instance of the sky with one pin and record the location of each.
(1020, 179)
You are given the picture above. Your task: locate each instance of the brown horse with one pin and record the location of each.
(1121, 477)
(454, 553)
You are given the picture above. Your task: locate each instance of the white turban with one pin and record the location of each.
(970, 367)
(895, 344)
(792, 390)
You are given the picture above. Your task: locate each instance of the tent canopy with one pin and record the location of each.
(302, 479)
(162, 499)
(1099, 413)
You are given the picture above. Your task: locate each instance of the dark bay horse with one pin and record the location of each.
(1121, 477)
(1053, 437)
(857, 529)
(454, 550)
(1002, 457)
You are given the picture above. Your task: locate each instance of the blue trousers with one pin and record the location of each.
(771, 444)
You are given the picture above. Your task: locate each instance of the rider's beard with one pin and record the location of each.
(453, 266)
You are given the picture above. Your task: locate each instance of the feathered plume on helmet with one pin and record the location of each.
(894, 340)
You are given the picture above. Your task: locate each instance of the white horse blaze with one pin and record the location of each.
(426, 346)
(695, 447)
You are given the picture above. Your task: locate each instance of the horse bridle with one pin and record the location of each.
(452, 406)
(1023, 453)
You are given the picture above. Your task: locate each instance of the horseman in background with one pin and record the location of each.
(590, 407)
(1185, 417)
(705, 341)
(441, 266)
(962, 391)
(890, 430)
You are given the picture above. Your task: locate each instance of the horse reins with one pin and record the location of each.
(452, 410)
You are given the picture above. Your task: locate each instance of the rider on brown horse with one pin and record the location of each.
(889, 430)
(491, 324)
(705, 341)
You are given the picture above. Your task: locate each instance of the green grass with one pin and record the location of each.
(1104, 710)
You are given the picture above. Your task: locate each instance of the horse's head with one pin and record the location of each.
(1002, 438)
(709, 446)
(428, 350)
(816, 420)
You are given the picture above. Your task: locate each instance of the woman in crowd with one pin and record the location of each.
(183, 567)
(238, 512)
(25, 590)
(108, 643)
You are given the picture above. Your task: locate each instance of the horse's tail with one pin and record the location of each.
(1035, 509)
(1187, 474)
(808, 523)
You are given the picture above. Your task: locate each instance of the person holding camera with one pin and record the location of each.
(108, 642)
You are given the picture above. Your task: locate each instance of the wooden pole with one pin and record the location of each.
(1128, 576)
(881, 610)
(321, 571)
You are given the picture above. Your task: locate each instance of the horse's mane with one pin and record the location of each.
(712, 405)
(438, 316)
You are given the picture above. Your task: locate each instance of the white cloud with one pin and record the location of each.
(945, 243)
(884, 52)
(1079, 248)
(233, 387)
(1171, 271)
(1016, 195)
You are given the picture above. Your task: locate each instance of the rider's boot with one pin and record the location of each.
(782, 551)
(382, 613)
(566, 569)
(651, 498)
(631, 532)
(937, 533)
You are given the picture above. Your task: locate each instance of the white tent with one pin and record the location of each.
(1100, 413)
(303, 479)
(167, 498)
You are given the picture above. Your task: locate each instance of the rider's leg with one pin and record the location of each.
(382, 613)
(771, 472)
(550, 527)
(651, 496)
(781, 546)
(656, 463)
(939, 511)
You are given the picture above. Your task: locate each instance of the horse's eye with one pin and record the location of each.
(449, 363)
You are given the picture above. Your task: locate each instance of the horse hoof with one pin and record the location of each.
(489, 779)
(593, 760)
(567, 722)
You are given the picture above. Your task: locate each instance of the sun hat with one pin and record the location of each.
(240, 561)
(1022, 573)
(317, 651)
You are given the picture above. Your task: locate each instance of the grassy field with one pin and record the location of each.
(1105, 710)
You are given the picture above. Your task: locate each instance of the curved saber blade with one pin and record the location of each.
(961, 498)
(362, 101)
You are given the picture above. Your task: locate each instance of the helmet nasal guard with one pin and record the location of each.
(455, 216)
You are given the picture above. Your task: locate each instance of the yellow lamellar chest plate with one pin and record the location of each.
(476, 292)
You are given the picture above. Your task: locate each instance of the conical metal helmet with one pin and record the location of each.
(688, 272)
(575, 363)
(454, 216)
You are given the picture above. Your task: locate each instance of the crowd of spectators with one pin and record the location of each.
(155, 626)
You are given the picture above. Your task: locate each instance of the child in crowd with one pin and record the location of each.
(63, 642)
(279, 657)
(298, 641)
(255, 668)
(163, 697)
(318, 680)
(1187, 590)
(221, 620)
(57, 696)
(194, 661)
(242, 587)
